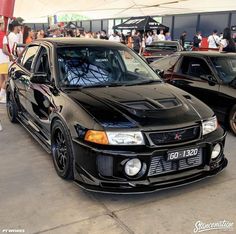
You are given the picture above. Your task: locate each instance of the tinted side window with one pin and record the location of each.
(42, 63)
(225, 67)
(195, 67)
(29, 56)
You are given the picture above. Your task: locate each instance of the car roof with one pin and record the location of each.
(207, 53)
(63, 41)
(165, 42)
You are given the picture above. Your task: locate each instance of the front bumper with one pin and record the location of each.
(110, 178)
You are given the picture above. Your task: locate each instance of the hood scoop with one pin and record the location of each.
(152, 108)
(151, 104)
(142, 105)
(169, 103)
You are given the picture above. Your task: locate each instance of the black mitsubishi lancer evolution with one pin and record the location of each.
(109, 121)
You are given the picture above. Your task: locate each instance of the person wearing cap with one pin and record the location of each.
(13, 36)
(4, 62)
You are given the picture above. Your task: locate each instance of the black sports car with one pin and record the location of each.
(110, 122)
(210, 76)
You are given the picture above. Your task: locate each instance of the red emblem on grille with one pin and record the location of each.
(178, 136)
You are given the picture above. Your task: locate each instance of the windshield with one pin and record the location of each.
(102, 66)
(226, 68)
(162, 46)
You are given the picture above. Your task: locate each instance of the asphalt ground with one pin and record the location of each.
(33, 199)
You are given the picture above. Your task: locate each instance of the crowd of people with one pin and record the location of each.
(222, 42)
(23, 35)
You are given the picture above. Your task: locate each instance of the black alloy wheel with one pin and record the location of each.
(62, 150)
(11, 108)
(232, 119)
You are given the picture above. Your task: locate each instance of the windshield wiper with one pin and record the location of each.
(72, 87)
(103, 85)
(146, 82)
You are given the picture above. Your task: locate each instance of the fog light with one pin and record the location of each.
(216, 151)
(132, 167)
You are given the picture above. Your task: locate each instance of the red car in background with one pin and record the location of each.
(160, 49)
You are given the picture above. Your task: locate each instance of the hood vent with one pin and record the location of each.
(142, 105)
(169, 103)
(151, 104)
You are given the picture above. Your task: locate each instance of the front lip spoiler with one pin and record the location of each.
(154, 187)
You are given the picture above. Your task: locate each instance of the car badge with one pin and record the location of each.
(178, 136)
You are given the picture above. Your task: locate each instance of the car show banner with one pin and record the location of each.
(6, 10)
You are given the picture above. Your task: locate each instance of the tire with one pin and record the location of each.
(12, 110)
(62, 150)
(232, 119)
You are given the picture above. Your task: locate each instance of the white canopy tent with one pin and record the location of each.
(38, 10)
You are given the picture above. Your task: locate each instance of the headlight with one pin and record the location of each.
(125, 138)
(209, 126)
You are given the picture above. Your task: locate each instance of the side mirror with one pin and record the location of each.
(233, 83)
(159, 72)
(15, 74)
(209, 78)
(39, 78)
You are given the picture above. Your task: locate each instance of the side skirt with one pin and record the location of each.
(32, 130)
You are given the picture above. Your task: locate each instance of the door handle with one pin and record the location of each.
(13, 75)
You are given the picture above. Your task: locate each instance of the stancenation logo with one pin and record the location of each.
(223, 225)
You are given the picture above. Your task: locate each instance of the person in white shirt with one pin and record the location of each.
(154, 36)
(114, 37)
(14, 36)
(213, 40)
(4, 62)
(20, 35)
(6, 55)
(149, 38)
(161, 36)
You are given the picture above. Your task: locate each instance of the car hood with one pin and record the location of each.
(141, 106)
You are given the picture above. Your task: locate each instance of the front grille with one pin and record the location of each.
(159, 165)
(175, 136)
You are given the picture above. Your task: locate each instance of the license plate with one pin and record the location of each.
(184, 153)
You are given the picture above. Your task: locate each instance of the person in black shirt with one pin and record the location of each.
(137, 42)
(182, 39)
(103, 35)
(197, 40)
(227, 43)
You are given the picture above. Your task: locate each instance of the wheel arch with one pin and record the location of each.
(66, 123)
(231, 119)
